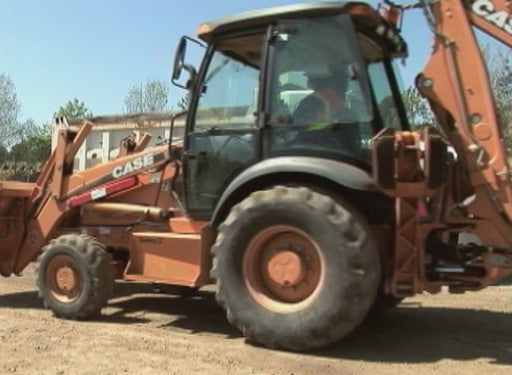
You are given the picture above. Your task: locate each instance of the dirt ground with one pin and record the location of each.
(146, 333)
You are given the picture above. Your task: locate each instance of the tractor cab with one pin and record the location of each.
(311, 80)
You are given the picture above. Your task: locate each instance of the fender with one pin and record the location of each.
(336, 171)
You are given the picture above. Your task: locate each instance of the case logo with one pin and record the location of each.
(133, 165)
(487, 10)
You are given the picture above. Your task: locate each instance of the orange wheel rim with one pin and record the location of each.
(283, 268)
(63, 280)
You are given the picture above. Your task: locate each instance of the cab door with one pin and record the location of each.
(222, 137)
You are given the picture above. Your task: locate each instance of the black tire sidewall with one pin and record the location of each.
(339, 290)
(76, 306)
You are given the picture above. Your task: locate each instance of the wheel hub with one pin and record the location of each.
(65, 278)
(282, 268)
(286, 268)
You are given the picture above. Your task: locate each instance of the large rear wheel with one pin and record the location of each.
(75, 276)
(295, 269)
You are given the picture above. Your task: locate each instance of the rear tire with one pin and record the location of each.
(294, 269)
(75, 276)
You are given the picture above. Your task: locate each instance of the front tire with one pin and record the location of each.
(75, 276)
(294, 269)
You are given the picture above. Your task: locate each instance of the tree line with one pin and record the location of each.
(25, 145)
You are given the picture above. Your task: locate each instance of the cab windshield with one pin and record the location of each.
(330, 90)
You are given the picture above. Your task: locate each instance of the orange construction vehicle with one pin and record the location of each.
(299, 188)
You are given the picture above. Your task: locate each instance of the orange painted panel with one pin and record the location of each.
(167, 258)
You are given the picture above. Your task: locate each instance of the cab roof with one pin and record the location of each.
(263, 17)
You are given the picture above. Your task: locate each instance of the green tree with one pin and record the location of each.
(151, 97)
(20, 142)
(9, 111)
(417, 108)
(73, 109)
(500, 75)
(184, 102)
(34, 145)
(31, 150)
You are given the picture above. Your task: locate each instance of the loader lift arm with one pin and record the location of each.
(30, 213)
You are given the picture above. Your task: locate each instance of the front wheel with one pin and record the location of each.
(75, 276)
(295, 269)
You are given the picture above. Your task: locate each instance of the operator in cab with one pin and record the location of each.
(326, 102)
(325, 111)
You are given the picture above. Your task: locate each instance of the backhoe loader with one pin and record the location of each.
(299, 188)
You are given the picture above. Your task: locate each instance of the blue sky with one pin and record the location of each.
(96, 50)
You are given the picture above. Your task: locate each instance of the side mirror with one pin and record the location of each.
(179, 59)
(179, 63)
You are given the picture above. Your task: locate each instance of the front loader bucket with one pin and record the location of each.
(13, 200)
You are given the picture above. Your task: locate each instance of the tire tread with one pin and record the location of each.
(340, 217)
(98, 265)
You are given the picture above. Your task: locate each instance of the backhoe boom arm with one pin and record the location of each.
(456, 83)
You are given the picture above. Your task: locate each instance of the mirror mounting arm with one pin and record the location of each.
(192, 73)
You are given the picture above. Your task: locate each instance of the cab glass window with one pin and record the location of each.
(320, 101)
(229, 93)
